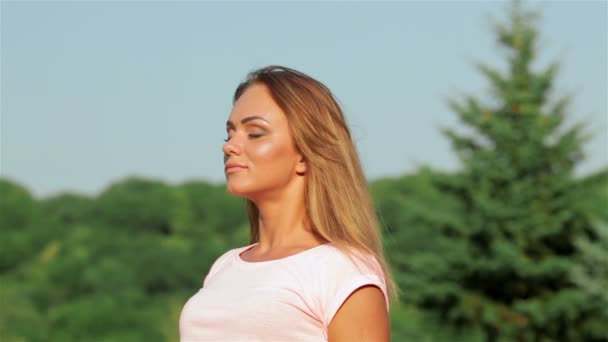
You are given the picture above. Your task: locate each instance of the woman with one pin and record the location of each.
(315, 269)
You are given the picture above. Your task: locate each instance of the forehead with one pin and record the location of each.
(256, 100)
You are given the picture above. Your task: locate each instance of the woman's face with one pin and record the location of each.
(259, 154)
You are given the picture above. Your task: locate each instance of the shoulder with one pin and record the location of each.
(335, 274)
(334, 266)
(232, 253)
(357, 303)
(349, 261)
(362, 317)
(223, 260)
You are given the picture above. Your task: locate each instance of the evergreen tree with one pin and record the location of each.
(504, 232)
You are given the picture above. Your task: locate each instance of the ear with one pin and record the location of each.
(302, 166)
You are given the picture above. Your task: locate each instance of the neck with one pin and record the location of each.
(283, 221)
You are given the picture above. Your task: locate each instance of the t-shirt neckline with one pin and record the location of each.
(274, 261)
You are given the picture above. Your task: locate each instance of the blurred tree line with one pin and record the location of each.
(512, 247)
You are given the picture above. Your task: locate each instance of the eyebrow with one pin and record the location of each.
(229, 123)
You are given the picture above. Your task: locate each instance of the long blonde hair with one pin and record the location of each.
(338, 202)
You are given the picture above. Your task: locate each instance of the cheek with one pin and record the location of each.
(271, 155)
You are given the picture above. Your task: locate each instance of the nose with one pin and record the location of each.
(231, 147)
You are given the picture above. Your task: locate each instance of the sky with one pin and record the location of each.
(94, 92)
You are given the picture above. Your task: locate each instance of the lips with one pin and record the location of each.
(234, 167)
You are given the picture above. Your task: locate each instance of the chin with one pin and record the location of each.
(248, 191)
(237, 189)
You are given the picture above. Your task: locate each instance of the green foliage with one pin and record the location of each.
(136, 204)
(508, 245)
(16, 205)
(17, 208)
(590, 273)
(117, 267)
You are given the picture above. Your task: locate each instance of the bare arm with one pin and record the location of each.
(362, 317)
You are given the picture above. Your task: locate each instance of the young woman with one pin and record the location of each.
(315, 269)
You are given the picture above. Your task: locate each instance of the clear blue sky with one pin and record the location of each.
(93, 92)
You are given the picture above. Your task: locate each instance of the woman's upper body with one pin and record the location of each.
(294, 298)
(289, 153)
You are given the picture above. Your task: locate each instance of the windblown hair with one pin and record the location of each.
(338, 202)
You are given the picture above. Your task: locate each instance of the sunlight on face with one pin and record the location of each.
(259, 154)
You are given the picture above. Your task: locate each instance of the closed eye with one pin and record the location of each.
(250, 135)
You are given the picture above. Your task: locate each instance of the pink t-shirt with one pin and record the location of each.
(288, 299)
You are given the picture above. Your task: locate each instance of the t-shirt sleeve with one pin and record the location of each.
(336, 277)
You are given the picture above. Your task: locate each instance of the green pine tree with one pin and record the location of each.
(504, 233)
